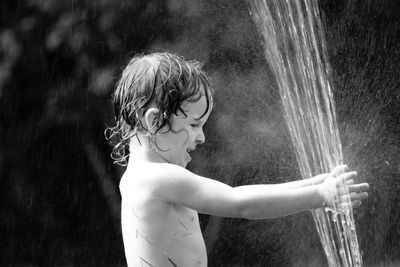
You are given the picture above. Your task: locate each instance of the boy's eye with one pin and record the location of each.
(194, 125)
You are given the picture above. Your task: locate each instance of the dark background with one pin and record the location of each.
(59, 61)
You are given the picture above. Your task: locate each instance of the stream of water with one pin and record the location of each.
(295, 49)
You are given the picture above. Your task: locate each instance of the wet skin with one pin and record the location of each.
(155, 232)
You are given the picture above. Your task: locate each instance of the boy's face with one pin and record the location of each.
(185, 134)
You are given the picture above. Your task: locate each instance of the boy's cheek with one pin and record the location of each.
(184, 135)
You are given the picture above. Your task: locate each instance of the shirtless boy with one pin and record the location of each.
(161, 104)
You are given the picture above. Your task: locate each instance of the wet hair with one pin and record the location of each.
(159, 80)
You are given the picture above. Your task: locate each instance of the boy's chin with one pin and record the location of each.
(184, 163)
(187, 159)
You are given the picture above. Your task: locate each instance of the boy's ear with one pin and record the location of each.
(151, 118)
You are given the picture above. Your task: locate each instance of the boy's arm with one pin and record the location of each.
(263, 202)
(300, 183)
(182, 187)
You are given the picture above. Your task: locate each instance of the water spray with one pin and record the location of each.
(294, 47)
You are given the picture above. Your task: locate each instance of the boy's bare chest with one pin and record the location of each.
(171, 232)
(184, 221)
(162, 220)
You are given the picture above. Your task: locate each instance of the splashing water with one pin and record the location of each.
(294, 45)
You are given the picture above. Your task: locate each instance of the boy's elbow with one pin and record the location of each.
(246, 207)
(254, 211)
(246, 211)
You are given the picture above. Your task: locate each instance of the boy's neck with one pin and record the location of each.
(142, 151)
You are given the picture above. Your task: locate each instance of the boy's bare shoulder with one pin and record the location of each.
(152, 174)
(150, 170)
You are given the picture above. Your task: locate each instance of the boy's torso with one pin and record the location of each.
(157, 233)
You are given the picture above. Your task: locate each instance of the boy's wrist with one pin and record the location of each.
(322, 196)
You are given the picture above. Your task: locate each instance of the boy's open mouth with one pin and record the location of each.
(188, 151)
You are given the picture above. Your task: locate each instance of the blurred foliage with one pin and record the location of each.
(59, 61)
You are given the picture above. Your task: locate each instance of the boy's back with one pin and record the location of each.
(157, 233)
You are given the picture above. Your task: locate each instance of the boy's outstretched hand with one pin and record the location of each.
(338, 187)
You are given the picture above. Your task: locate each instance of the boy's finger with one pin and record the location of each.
(353, 204)
(358, 196)
(346, 176)
(338, 170)
(347, 200)
(349, 182)
(358, 187)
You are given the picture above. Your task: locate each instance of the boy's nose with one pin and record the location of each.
(200, 138)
